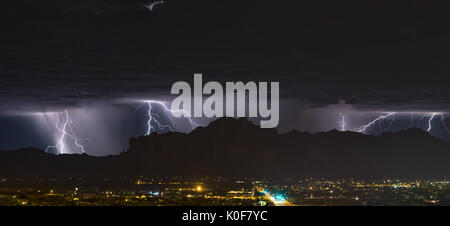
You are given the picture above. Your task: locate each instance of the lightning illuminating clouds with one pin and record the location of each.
(66, 131)
(363, 128)
(429, 121)
(154, 123)
(430, 116)
(342, 122)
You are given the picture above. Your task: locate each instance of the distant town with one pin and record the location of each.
(220, 191)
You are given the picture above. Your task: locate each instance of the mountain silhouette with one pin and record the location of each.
(236, 147)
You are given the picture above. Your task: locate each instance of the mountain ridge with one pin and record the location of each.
(236, 147)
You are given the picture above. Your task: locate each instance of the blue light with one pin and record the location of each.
(280, 197)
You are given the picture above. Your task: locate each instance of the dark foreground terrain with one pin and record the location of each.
(236, 147)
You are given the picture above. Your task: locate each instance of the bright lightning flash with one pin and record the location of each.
(363, 128)
(342, 122)
(153, 124)
(391, 115)
(429, 121)
(66, 131)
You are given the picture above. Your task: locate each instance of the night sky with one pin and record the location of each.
(99, 59)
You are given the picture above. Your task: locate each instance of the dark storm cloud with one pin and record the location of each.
(373, 55)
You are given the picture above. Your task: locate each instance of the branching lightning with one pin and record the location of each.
(153, 124)
(363, 128)
(391, 116)
(152, 118)
(66, 131)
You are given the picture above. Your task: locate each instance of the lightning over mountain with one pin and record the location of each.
(363, 128)
(429, 121)
(66, 132)
(341, 122)
(426, 118)
(154, 122)
(152, 117)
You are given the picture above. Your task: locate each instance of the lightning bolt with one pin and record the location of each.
(153, 124)
(429, 121)
(152, 118)
(430, 116)
(363, 128)
(151, 5)
(342, 122)
(66, 131)
(442, 119)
